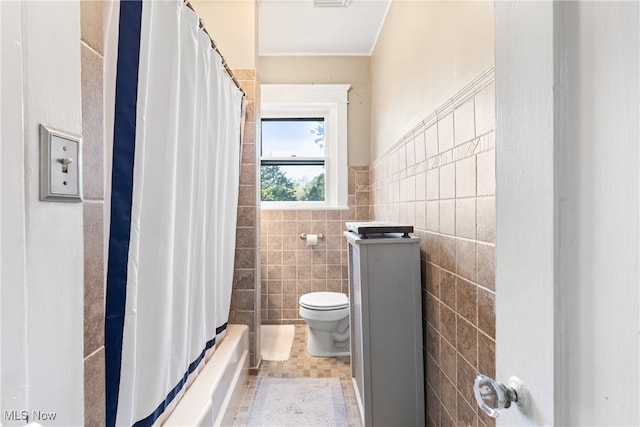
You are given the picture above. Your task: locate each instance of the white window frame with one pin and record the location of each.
(300, 101)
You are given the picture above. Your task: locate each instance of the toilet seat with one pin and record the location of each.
(324, 301)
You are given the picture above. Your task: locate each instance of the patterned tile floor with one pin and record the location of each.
(302, 365)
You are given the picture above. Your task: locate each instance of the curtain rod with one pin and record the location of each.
(214, 46)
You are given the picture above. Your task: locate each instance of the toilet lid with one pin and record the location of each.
(324, 301)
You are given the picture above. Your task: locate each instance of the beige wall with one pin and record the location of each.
(233, 26)
(426, 52)
(330, 70)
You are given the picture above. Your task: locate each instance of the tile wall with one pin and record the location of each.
(441, 178)
(290, 268)
(92, 59)
(245, 298)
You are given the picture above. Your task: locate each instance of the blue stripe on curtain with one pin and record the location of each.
(134, 88)
(121, 196)
(148, 421)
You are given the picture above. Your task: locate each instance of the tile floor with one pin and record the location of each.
(301, 365)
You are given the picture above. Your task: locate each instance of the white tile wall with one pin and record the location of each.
(433, 184)
(466, 218)
(431, 139)
(485, 110)
(466, 177)
(445, 133)
(486, 173)
(448, 181)
(464, 123)
(448, 216)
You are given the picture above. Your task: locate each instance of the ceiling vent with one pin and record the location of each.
(331, 3)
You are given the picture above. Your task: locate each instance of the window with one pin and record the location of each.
(303, 150)
(293, 159)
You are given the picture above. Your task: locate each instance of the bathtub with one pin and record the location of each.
(213, 397)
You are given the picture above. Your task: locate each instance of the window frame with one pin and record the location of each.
(311, 101)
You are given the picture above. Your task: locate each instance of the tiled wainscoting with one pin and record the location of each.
(245, 299)
(290, 268)
(441, 178)
(93, 146)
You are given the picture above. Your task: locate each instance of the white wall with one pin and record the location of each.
(568, 210)
(13, 374)
(597, 133)
(427, 51)
(525, 205)
(42, 334)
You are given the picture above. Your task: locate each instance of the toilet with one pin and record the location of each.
(327, 314)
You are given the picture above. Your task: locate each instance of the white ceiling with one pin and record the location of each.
(296, 27)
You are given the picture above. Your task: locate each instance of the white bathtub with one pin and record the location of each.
(213, 397)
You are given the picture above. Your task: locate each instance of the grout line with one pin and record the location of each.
(93, 353)
(88, 46)
(461, 277)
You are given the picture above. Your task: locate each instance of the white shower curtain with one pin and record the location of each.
(175, 182)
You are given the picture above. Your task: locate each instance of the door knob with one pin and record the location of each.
(492, 396)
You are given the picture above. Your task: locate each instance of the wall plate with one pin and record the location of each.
(60, 166)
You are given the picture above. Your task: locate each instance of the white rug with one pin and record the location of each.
(276, 341)
(298, 402)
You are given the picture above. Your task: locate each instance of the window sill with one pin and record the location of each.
(300, 206)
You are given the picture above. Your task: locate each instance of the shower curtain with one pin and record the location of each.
(175, 182)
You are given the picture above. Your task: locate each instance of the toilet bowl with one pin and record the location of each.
(327, 314)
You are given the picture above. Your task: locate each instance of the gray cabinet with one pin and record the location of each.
(386, 329)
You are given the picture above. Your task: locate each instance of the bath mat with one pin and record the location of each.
(298, 402)
(276, 341)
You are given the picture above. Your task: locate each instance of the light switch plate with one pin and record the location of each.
(60, 166)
